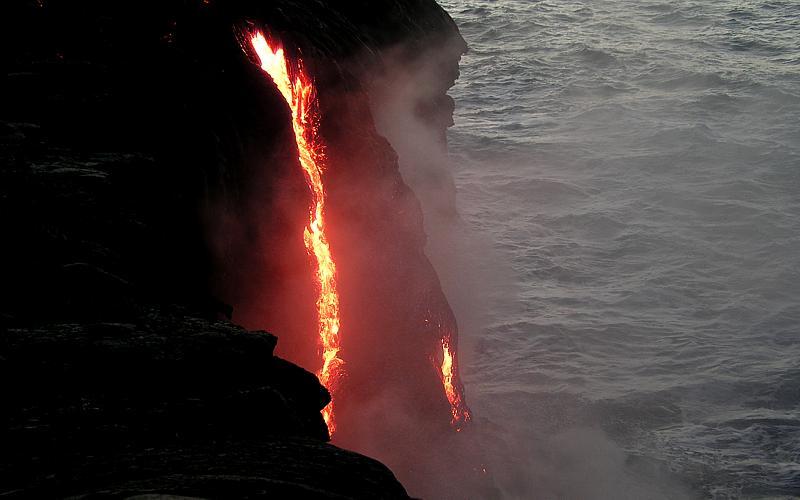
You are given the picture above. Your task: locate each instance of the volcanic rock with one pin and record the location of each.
(149, 192)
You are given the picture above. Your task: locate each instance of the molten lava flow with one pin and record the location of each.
(300, 95)
(448, 371)
(458, 408)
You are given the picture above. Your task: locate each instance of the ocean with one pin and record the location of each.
(632, 169)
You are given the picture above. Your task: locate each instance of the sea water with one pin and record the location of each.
(635, 168)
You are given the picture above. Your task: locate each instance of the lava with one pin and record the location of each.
(458, 408)
(448, 371)
(298, 90)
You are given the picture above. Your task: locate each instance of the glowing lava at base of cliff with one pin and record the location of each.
(458, 408)
(298, 91)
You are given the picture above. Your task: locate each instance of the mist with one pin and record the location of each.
(632, 167)
(555, 449)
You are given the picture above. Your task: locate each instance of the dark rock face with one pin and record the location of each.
(170, 405)
(285, 468)
(148, 179)
(163, 377)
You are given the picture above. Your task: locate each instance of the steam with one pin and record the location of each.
(559, 450)
(388, 289)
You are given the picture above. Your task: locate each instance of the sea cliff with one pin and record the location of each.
(151, 202)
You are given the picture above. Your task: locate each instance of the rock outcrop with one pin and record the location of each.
(151, 200)
(170, 404)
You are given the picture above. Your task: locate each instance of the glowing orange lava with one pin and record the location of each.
(298, 91)
(458, 408)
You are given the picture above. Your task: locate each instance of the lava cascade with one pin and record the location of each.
(298, 90)
(453, 390)
(448, 371)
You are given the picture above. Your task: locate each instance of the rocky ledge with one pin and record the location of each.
(171, 404)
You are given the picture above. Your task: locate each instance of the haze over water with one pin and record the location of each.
(636, 167)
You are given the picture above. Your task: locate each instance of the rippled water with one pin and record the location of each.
(636, 166)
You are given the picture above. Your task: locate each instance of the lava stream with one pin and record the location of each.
(300, 95)
(458, 408)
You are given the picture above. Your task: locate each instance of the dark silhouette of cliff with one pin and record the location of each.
(151, 201)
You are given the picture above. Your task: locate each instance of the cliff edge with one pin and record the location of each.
(150, 202)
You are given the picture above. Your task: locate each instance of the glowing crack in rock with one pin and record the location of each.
(298, 90)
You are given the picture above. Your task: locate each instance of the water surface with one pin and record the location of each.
(636, 165)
